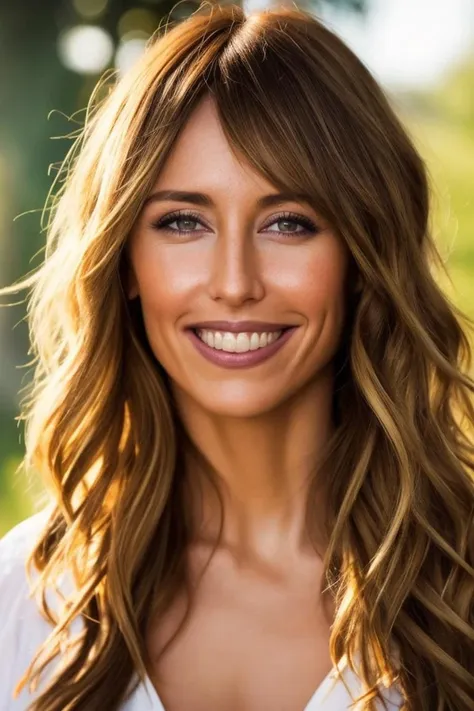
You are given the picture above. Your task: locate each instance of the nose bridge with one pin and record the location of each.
(236, 272)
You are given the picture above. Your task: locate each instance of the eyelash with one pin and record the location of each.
(309, 227)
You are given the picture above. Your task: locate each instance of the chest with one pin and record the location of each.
(247, 644)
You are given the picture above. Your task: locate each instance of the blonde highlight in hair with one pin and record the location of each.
(101, 427)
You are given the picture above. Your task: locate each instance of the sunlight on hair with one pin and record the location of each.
(101, 424)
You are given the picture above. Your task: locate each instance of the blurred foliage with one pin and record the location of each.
(441, 122)
(454, 98)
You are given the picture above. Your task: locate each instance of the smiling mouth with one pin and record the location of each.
(281, 332)
(240, 359)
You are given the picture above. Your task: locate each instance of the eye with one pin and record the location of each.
(164, 222)
(291, 218)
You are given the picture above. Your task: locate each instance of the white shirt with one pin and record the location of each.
(22, 629)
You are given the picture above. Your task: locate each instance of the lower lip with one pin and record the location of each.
(239, 360)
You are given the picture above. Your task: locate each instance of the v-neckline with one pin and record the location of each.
(332, 675)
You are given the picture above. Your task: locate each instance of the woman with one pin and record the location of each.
(278, 519)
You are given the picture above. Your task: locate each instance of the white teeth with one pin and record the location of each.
(237, 342)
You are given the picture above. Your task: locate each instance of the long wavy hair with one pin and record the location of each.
(102, 429)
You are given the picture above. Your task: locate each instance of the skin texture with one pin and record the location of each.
(261, 427)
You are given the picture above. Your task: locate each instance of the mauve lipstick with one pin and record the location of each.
(239, 360)
(240, 326)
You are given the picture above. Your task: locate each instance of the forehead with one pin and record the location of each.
(202, 155)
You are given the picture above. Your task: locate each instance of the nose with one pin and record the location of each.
(237, 270)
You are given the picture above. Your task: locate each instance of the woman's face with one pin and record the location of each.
(235, 260)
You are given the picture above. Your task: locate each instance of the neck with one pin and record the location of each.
(261, 469)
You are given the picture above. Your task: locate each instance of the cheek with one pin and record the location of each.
(317, 280)
(167, 279)
(323, 302)
(304, 279)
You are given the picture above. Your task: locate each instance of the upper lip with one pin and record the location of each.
(240, 326)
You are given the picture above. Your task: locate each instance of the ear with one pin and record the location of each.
(132, 288)
(358, 284)
(354, 278)
(129, 279)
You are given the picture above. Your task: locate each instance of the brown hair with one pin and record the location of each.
(101, 427)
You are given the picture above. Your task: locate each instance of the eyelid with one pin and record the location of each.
(311, 226)
(310, 223)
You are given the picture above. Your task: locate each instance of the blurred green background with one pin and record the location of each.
(52, 54)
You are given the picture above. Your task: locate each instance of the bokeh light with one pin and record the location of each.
(128, 52)
(90, 9)
(137, 19)
(86, 49)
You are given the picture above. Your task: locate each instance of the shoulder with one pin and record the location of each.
(21, 625)
(17, 543)
(15, 547)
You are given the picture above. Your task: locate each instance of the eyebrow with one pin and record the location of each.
(206, 201)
